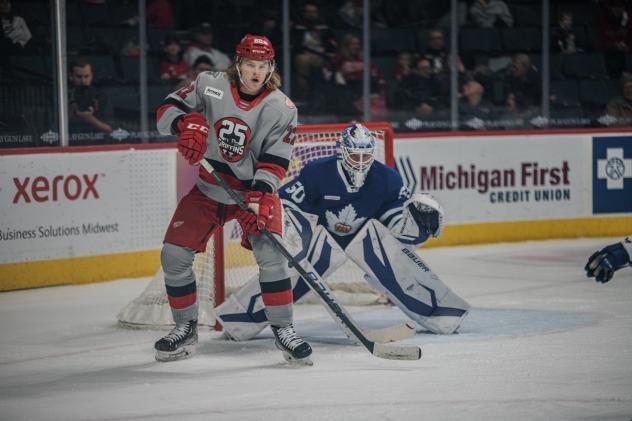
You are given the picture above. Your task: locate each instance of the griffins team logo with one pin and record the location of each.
(612, 174)
(233, 138)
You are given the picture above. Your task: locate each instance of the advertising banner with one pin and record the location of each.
(519, 177)
(612, 174)
(67, 205)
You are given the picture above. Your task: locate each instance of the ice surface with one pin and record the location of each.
(541, 343)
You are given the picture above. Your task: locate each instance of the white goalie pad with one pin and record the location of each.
(242, 314)
(397, 271)
(425, 203)
(305, 239)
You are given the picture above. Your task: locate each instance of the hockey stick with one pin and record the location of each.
(392, 333)
(382, 335)
(391, 352)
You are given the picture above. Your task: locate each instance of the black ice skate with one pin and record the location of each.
(179, 343)
(295, 349)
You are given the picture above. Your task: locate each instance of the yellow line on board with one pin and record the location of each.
(499, 232)
(88, 269)
(78, 270)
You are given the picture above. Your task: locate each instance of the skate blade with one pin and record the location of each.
(297, 362)
(179, 354)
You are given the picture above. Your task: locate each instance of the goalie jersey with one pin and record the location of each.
(322, 189)
(248, 141)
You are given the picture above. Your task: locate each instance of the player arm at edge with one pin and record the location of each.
(604, 263)
(180, 115)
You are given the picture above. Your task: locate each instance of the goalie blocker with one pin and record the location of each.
(390, 266)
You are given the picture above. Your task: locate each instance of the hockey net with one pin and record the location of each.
(226, 266)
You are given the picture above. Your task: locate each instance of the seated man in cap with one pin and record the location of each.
(201, 44)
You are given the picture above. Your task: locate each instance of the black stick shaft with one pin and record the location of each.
(327, 298)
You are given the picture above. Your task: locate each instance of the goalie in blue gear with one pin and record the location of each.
(604, 263)
(349, 206)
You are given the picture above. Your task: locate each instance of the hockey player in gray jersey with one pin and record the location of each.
(604, 263)
(244, 126)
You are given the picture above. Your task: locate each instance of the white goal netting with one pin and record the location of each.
(218, 277)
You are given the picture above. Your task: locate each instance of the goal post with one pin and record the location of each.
(225, 266)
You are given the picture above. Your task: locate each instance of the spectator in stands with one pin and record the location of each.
(350, 15)
(314, 46)
(202, 45)
(404, 66)
(620, 107)
(88, 105)
(522, 86)
(613, 30)
(564, 38)
(473, 105)
(614, 26)
(346, 73)
(437, 54)
(420, 90)
(202, 64)
(173, 66)
(439, 57)
(15, 31)
(491, 14)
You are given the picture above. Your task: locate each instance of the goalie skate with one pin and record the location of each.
(179, 344)
(295, 350)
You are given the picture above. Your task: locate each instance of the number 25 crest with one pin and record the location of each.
(233, 138)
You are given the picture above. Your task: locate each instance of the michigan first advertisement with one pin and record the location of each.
(530, 177)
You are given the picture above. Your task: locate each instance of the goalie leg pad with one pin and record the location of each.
(242, 315)
(397, 271)
(308, 241)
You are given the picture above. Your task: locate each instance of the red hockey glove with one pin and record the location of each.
(263, 205)
(248, 222)
(193, 132)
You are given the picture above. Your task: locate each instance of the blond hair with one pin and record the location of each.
(272, 84)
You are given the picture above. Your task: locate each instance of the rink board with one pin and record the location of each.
(94, 214)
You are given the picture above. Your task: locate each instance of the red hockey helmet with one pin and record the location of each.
(255, 47)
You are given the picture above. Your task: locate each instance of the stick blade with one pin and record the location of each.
(392, 333)
(396, 352)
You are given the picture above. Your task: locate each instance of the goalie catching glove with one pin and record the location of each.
(422, 216)
(426, 211)
(192, 135)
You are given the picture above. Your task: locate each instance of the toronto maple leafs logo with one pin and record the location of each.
(346, 222)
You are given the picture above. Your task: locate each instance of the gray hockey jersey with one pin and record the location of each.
(247, 142)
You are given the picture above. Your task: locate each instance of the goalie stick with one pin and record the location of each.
(387, 351)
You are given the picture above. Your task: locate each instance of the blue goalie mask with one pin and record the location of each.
(355, 150)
